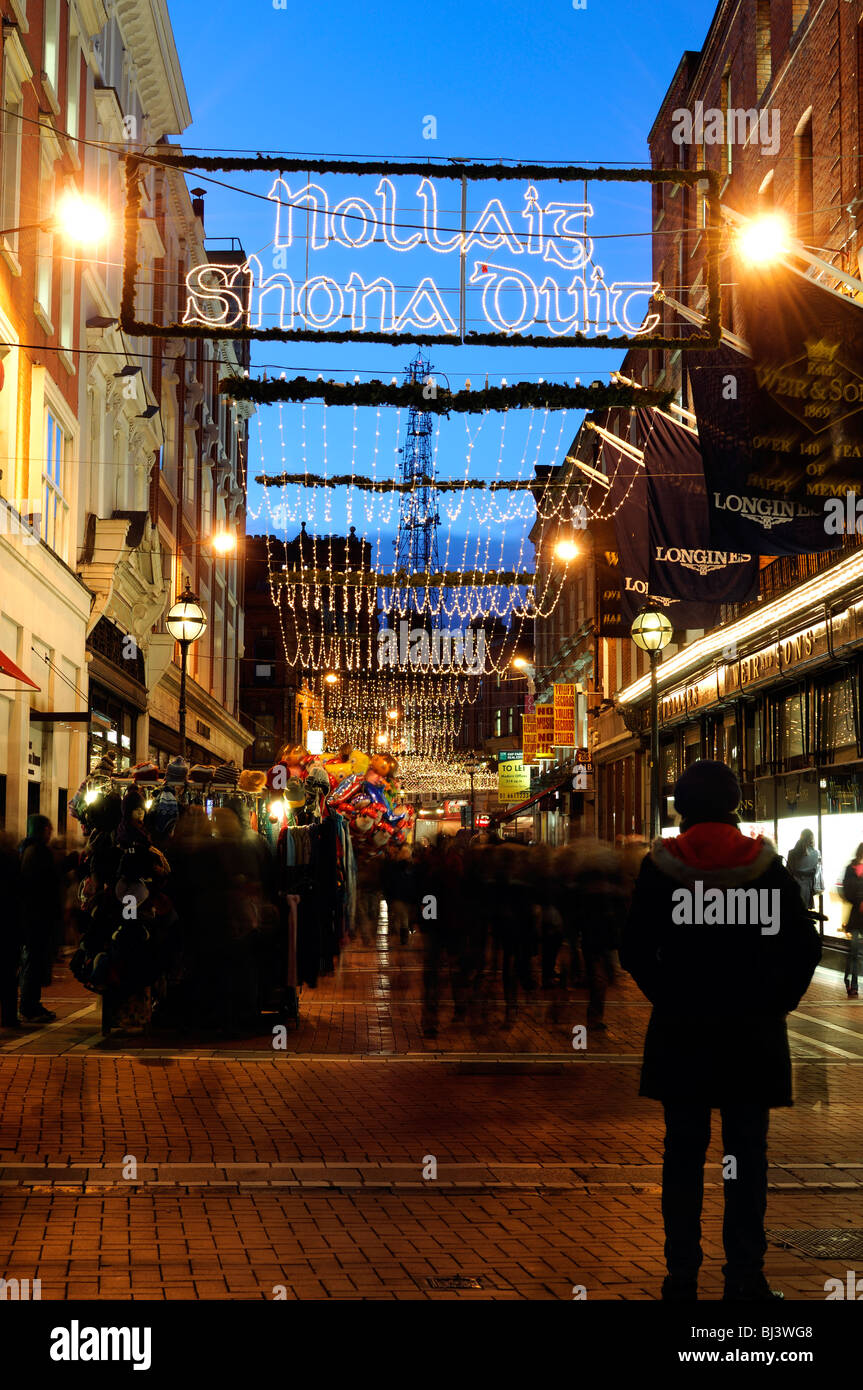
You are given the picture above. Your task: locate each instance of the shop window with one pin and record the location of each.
(73, 81)
(670, 764)
(804, 179)
(791, 728)
(10, 158)
(45, 239)
(51, 48)
(265, 738)
(731, 751)
(839, 731)
(841, 833)
(55, 508)
(691, 744)
(763, 56)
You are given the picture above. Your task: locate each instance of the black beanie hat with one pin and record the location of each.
(706, 790)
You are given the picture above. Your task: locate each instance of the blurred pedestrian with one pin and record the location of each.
(600, 904)
(852, 892)
(399, 883)
(11, 935)
(804, 866)
(717, 1037)
(369, 898)
(42, 912)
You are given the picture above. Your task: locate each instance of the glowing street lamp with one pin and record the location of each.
(764, 239)
(528, 670)
(224, 542)
(331, 678)
(75, 217)
(566, 550)
(186, 622)
(392, 714)
(81, 219)
(652, 632)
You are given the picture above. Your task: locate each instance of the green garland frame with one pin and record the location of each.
(524, 395)
(136, 327)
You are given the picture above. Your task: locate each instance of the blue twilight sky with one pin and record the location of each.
(530, 81)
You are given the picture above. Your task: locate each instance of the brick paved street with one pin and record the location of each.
(307, 1169)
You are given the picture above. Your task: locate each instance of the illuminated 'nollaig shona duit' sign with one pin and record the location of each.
(337, 269)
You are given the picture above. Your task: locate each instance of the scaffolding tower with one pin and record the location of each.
(417, 539)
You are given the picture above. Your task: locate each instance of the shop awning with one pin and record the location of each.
(501, 816)
(8, 668)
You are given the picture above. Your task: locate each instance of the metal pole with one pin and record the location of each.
(462, 307)
(184, 650)
(655, 826)
(472, 802)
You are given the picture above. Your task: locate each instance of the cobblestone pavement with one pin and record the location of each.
(363, 1160)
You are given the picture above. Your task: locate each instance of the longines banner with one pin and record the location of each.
(628, 494)
(683, 563)
(783, 432)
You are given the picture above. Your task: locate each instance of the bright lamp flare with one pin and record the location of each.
(764, 239)
(566, 550)
(651, 630)
(331, 678)
(382, 738)
(392, 714)
(82, 219)
(519, 662)
(224, 542)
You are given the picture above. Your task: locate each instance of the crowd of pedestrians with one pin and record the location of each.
(500, 922)
(191, 932)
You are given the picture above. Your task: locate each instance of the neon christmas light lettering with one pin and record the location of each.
(512, 301)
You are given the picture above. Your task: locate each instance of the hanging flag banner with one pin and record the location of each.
(725, 399)
(528, 739)
(513, 779)
(608, 600)
(683, 563)
(782, 433)
(627, 499)
(392, 251)
(608, 610)
(544, 731)
(564, 716)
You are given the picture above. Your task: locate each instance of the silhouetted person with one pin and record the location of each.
(852, 892)
(717, 1037)
(11, 939)
(804, 866)
(600, 904)
(41, 897)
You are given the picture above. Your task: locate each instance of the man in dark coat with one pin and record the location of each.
(721, 944)
(41, 898)
(11, 939)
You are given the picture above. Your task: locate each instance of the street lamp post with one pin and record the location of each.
(652, 632)
(472, 768)
(186, 622)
